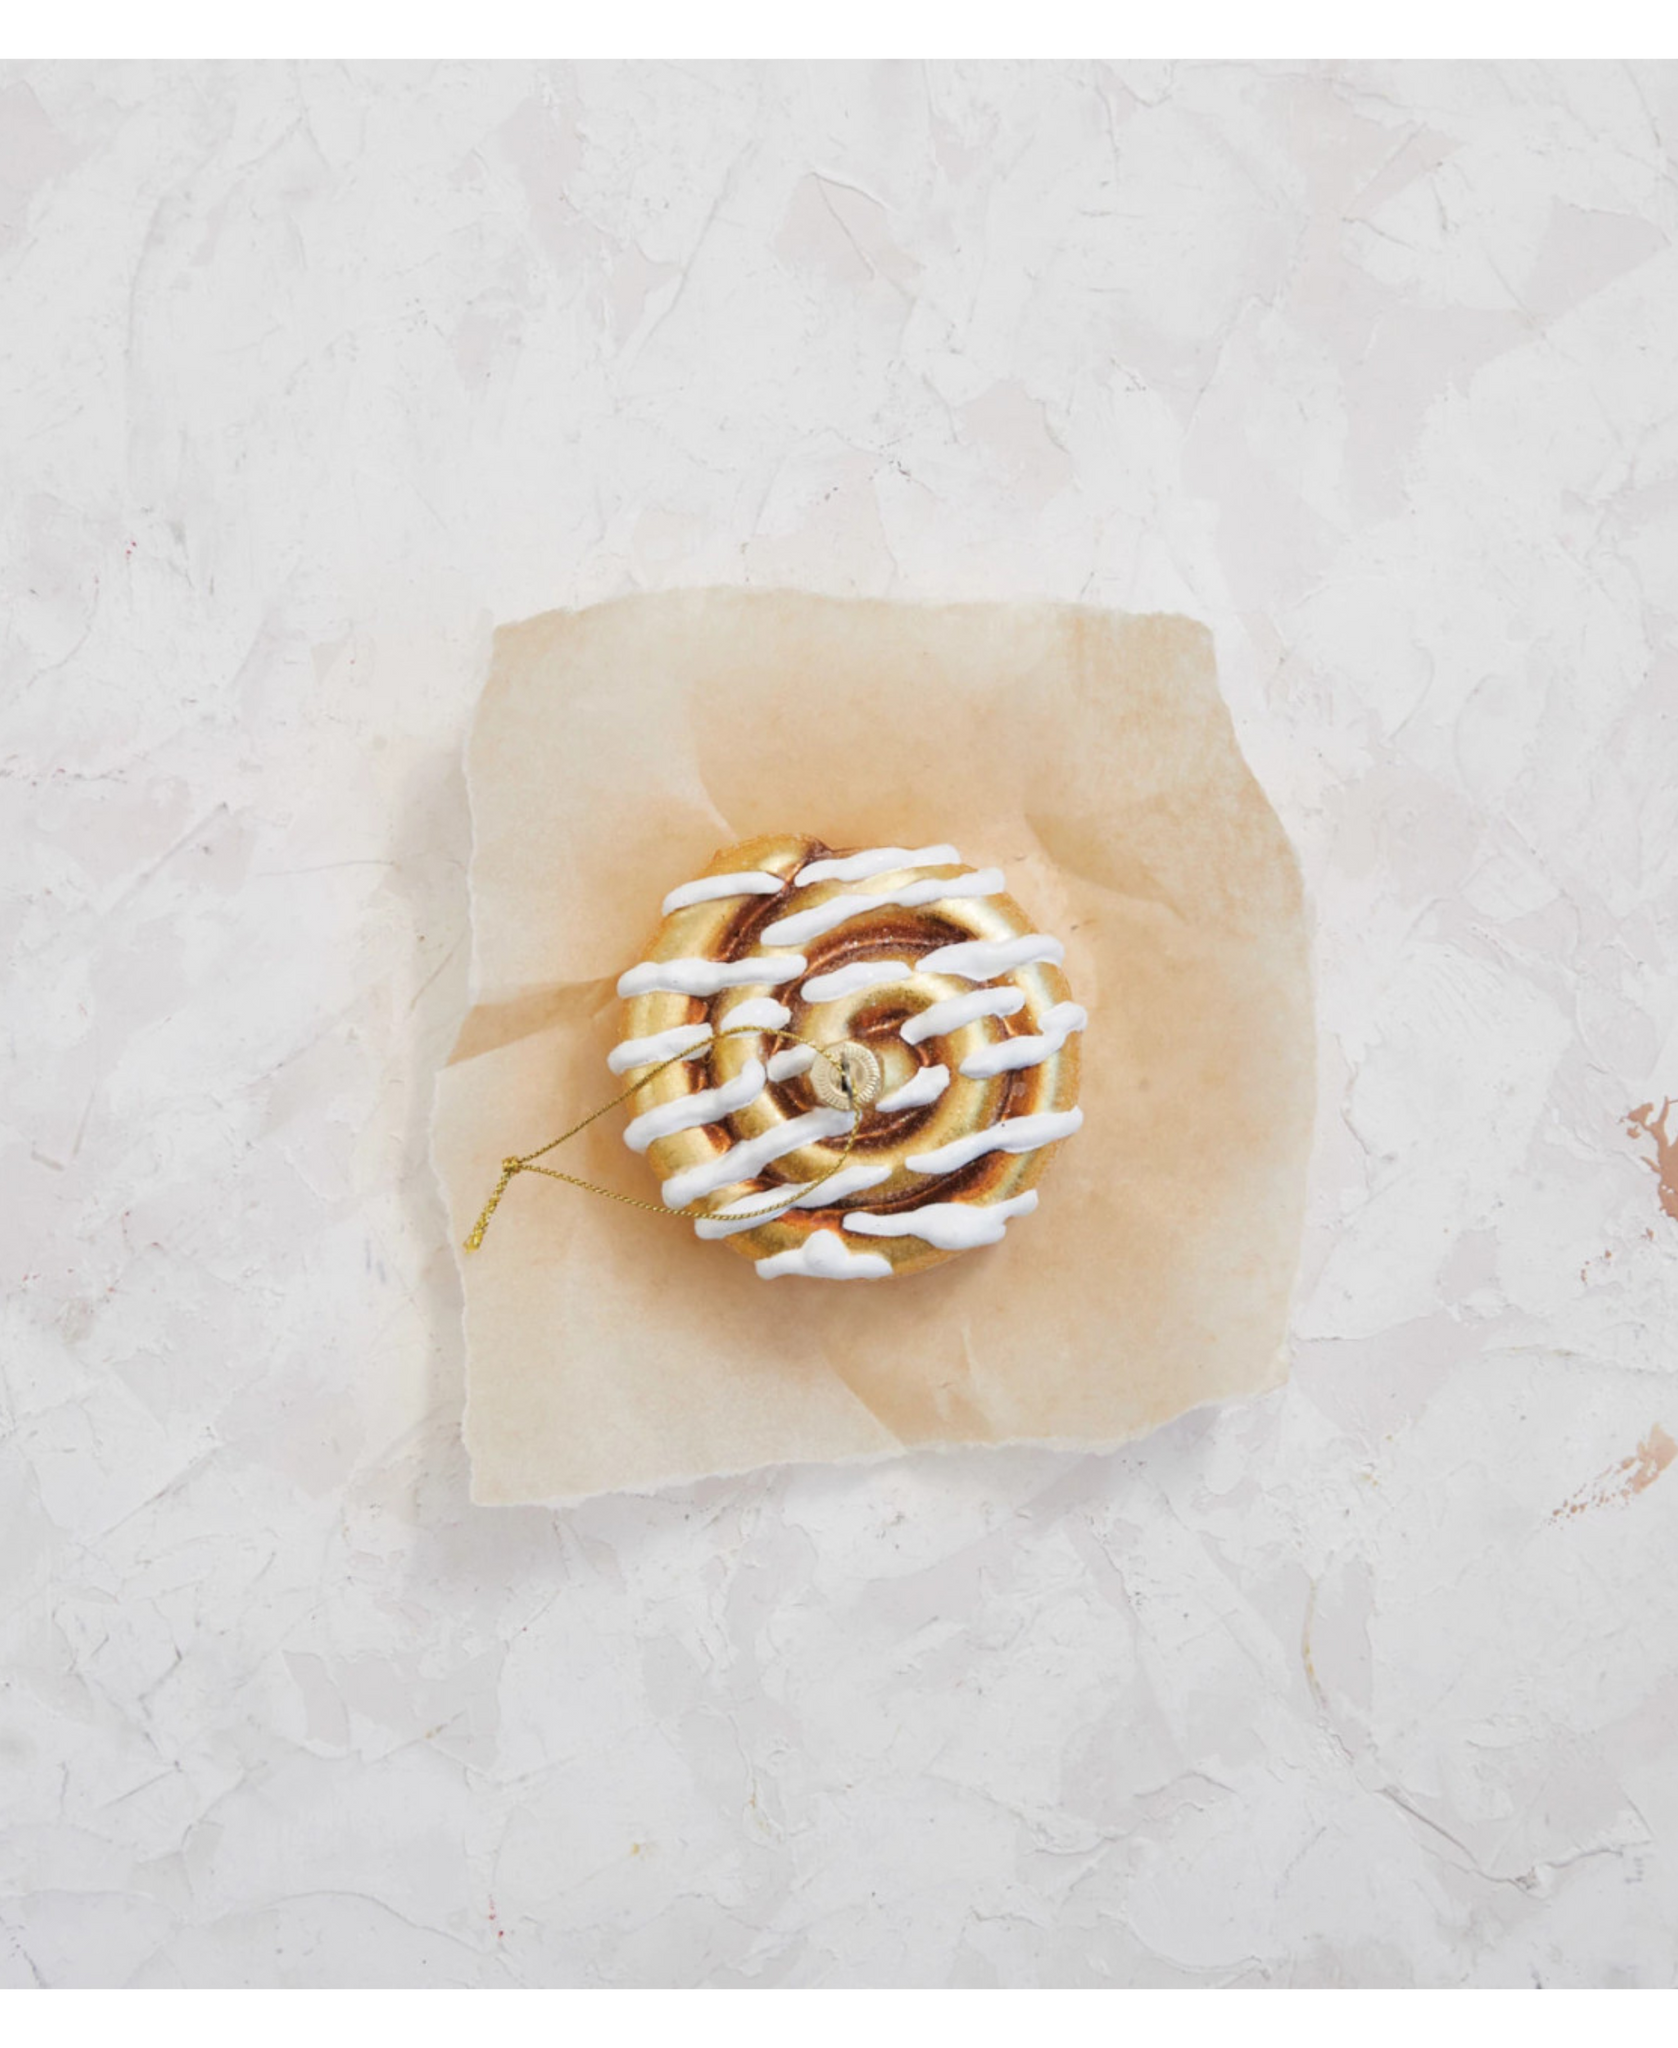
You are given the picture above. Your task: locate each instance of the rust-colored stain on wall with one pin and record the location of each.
(1665, 1161)
(1626, 1480)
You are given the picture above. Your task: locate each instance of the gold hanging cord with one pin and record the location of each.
(511, 1167)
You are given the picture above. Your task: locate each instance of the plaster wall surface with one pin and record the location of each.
(311, 374)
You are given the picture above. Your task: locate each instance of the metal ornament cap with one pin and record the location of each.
(846, 1076)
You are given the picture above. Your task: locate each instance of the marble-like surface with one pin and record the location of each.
(307, 376)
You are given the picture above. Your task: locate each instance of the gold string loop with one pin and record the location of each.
(514, 1165)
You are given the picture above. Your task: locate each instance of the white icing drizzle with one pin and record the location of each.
(852, 980)
(955, 1011)
(951, 1226)
(795, 1060)
(985, 959)
(848, 1181)
(1013, 1134)
(704, 1106)
(746, 1214)
(823, 1256)
(747, 1160)
(879, 860)
(1030, 1049)
(805, 925)
(751, 1210)
(926, 1086)
(711, 888)
(662, 1045)
(759, 1013)
(698, 977)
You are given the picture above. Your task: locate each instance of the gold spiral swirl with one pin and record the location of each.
(974, 1073)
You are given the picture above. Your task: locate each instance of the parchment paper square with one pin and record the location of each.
(1087, 754)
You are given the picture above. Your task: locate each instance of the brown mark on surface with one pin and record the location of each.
(1626, 1480)
(1665, 1162)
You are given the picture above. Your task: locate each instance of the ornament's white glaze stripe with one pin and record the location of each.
(704, 1106)
(712, 888)
(1030, 1049)
(927, 1085)
(751, 1210)
(748, 1159)
(985, 959)
(697, 977)
(662, 1045)
(878, 860)
(955, 1011)
(805, 925)
(951, 1226)
(795, 1060)
(1013, 1134)
(758, 1013)
(848, 1181)
(823, 1256)
(853, 980)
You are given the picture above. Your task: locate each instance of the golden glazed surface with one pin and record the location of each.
(881, 1016)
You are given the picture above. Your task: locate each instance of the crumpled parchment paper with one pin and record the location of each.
(1090, 756)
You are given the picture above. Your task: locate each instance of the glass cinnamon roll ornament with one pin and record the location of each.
(871, 1056)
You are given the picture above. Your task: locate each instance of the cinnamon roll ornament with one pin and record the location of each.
(867, 1056)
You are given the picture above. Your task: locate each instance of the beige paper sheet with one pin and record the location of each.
(1090, 756)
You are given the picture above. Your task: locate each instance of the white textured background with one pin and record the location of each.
(307, 377)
